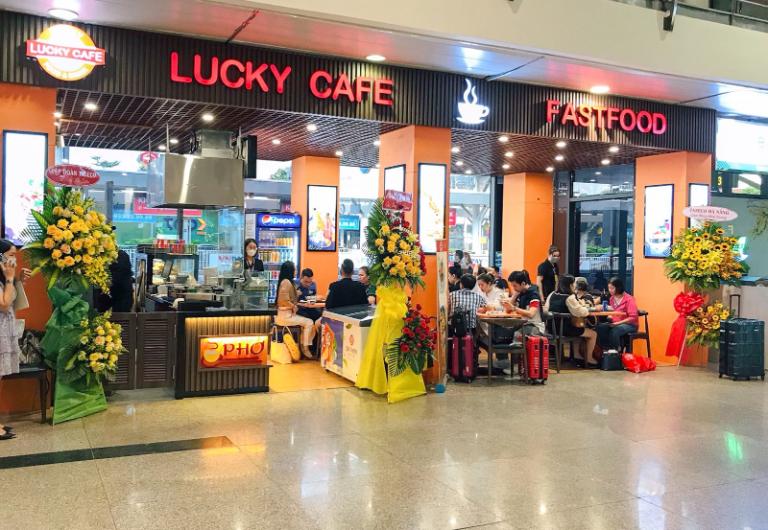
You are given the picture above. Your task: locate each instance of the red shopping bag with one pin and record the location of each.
(636, 363)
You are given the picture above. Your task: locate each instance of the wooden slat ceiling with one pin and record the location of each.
(139, 123)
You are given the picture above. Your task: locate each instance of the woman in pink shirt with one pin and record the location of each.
(610, 333)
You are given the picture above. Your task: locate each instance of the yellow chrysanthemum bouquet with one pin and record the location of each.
(704, 324)
(72, 242)
(99, 349)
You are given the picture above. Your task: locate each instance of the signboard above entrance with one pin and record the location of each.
(606, 117)
(66, 52)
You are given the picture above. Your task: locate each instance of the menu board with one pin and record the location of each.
(25, 157)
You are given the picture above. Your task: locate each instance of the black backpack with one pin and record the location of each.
(459, 324)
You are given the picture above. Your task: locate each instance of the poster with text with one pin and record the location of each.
(442, 307)
(25, 157)
(321, 218)
(394, 178)
(658, 221)
(431, 205)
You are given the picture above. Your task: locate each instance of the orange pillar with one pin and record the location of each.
(28, 109)
(653, 291)
(321, 171)
(527, 208)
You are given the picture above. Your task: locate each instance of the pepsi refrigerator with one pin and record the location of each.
(278, 238)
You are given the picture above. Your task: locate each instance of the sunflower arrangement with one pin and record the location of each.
(98, 350)
(393, 249)
(72, 242)
(704, 324)
(704, 257)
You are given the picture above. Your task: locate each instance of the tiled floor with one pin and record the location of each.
(677, 448)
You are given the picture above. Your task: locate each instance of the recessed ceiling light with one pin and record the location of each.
(57, 115)
(124, 174)
(600, 89)
(459, 163)
(468, 172)
(311, 127)
(78, 134)
(161, 147)
(550, 169)
(559, 158)
(509, 154)
(57, 123)
(375, 57)
(377, 166)
(503, 138)
(455, 149)
(63, 13)
(276, 141)
(90, 105)
(598, 172)
(626, 182)
(613, 149)
(377, 143)
(174, 141)
(505, 166)
(592, 180)
(207, 117)
(605, 161)
(561, 144)
(339, 153)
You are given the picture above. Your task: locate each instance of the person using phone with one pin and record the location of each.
(9, 338)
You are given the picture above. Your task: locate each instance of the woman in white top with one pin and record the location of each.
(287, 299)
(563, 300)
(487, 289)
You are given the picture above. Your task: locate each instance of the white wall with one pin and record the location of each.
(604, 31)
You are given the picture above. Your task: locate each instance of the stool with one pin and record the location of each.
(39, 372)
(639, 335)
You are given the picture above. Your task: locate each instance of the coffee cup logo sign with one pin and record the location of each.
(470, 111)
(65, 52)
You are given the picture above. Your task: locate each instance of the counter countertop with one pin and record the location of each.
(228, 313)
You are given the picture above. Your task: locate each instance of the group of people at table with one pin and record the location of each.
(478, 291)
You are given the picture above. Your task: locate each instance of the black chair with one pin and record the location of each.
(39, 372)
(644, 334)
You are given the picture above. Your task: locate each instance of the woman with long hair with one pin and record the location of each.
(287, 300)
(563, 300)
(9, 339)
(612, 332)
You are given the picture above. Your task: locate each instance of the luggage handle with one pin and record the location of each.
(730, 303)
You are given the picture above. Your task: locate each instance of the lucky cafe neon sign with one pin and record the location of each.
(268, 77)
(65, 52)
(606, 117)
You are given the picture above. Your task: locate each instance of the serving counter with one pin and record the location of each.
(343, 333)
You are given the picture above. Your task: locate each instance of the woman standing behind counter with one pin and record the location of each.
(251, 262)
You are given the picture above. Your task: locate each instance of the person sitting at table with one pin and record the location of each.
(363, 273)
(489, 291)
(564, 300)
(306, 289)
(525, 302)
(287, 308)
(454, 278)
(610, 333)
(503, 284)
(346, 291)
(466, 300)
(582, 292)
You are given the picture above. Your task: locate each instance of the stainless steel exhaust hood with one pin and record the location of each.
(185, 181)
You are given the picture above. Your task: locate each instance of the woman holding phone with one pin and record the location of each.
(9, 339)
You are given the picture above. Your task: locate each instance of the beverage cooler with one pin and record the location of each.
(277, 235)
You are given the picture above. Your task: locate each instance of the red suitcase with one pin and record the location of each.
(462, 361)
(537, 350)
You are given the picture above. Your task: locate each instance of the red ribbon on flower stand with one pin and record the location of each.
(685, 304)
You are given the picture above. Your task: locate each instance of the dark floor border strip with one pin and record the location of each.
(99, 453)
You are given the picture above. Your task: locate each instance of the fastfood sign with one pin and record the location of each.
(234, 351)
(593, 117)
(65, 52)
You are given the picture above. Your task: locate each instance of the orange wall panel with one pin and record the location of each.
(653, 291)
(24, 108)
(315, 170)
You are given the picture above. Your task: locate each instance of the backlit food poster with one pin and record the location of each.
(25, 157)
(658, 221)
(332, 345)
(431, 205)
(321, 218)
(394, 178)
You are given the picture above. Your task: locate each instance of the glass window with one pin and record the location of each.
(608, 180)
(273, 170)
(469, 217)
(358, 190)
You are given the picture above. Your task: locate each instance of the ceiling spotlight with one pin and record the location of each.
(626, 182)
(459, 163)
(592, 180)
(559, 158)
(57, 115)
(161, 147)
(505, 166)
(468, 172)
(63, 13)
(90, 105)
(78, 134)
(504, 138)
(598, 173)
(455, 149)
(207, 117)
(377, 143)
(276, 141)
(174, 141)
(561, 144)
(377, 166)
(375, 57)
(605, 161)
(311, 127)
(124, 174)
(613, 149)
(600, 89)
(509, 154)
(339, 153)
(550, 169)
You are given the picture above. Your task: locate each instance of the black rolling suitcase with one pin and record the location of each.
(741, 348)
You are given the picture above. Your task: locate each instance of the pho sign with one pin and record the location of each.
(65, 52)
(710, 213)
(234, 351)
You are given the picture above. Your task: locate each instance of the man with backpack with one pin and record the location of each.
(465, 300)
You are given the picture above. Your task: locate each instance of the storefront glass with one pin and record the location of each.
(469, 217)
(358, 189)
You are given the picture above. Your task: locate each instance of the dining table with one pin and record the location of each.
(500, 319)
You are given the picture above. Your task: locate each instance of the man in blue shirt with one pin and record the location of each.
(306, 288)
